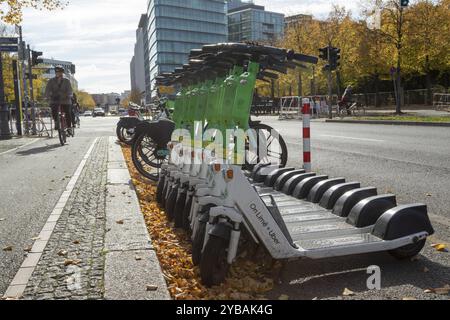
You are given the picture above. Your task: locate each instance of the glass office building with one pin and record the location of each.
(177, 26)
(250, 22)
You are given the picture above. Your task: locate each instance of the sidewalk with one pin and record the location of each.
(95, 244)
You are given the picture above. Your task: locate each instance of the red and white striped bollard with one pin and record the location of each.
(306, 110)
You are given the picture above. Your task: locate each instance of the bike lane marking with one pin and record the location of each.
(23, 275)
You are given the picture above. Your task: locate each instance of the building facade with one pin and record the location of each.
(296, 20)
(137, 65)
(133, 73)
(106, 99)
(175, 27)
(250, 22)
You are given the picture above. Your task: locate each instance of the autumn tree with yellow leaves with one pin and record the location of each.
(367, 54)
(85, 100)
(11, 11)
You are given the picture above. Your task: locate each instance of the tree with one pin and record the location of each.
(12, 9)
(427, 28)
(85, 100)
(135, 96)
(392, 30)
(125, 102)
(416, 40)
(372, 60)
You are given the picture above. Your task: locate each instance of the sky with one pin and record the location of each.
(98, 36)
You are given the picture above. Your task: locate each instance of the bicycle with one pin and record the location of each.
(356, 109)
(125, 129)
(63, 130)
(41, 127)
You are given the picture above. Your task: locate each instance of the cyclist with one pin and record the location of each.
(59, 92)
(347, 99)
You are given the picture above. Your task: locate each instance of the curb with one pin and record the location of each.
(386, 122)
(131, 264)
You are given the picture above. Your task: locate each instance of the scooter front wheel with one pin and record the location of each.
(213, 265)
(160, 189)
(186, 214)
(198, 242)
(178, 210)
(170, 203)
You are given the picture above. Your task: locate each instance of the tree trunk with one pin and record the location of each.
(366, 96)
(377, 90)
(272, 89)
(398, 109)
(339, 83)
(300, 85)
(429, 100)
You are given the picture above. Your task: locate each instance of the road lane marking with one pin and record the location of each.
(23, 275)
(351, 138)
(20, 147)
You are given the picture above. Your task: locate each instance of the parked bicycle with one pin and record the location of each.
(126, 126)
(149, 150)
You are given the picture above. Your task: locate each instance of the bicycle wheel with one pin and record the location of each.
(271, 148)
(144, 154)
(39, 126)
(62, 135)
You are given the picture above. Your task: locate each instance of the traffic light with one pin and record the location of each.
(323, 53)
(404, 3)
(35, 58)
(335, 58)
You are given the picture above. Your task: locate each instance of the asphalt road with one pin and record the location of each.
(411, 162)
(32, 180)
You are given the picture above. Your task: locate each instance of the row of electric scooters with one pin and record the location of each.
(291, 213)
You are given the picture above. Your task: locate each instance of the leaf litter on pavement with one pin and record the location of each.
(246, 280)
(441, 247)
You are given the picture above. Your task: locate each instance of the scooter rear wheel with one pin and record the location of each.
(213, 265)
(409, 251)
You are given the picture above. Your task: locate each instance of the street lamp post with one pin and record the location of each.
(24, 79)
(5, 133)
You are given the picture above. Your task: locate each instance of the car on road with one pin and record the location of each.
(123, 112)
(87, 113)
(99, 112)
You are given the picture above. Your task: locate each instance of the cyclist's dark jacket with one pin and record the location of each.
(59, 92)
(348, 95)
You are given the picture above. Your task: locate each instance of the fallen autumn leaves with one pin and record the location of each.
(247, 280)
